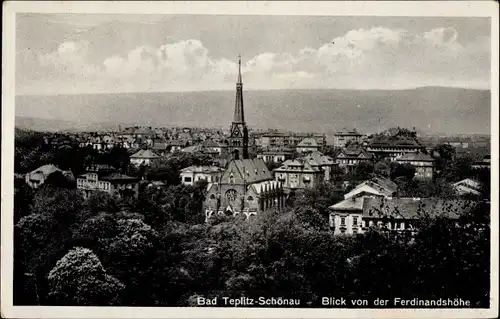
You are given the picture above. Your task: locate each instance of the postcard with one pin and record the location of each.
(249, 159)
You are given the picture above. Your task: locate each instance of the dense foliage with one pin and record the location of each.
(75, 252)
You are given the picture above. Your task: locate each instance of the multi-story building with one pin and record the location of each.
(484, 163)
(353, 155)
(358, 214)
(115, 184)
(392, 147)
(192, 174)
(340, 139)
(423, 163)
(275, 155)
(323, 163)
(298, 174)
(307, 145)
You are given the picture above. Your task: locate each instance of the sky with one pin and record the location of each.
(110, 53)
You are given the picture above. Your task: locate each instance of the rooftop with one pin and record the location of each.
(415, 208)
(416, 157)
(147, 154)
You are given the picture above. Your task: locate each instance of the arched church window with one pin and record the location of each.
(212, 196)
(250, 198)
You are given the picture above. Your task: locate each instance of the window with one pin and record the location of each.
(250, 198)
(355, 221)
(187, 179)
(342, 221)
(212, 196)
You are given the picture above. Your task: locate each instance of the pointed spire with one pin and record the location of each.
(239, 70)
(239, 116)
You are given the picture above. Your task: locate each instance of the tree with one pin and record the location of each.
(383, 168)
(59, 180)
(79, 279)
(405, 171)
(23, 197)
(446, 154)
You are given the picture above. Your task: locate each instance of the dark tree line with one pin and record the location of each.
(160, 252)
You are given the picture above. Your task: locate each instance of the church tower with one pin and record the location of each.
(238, 138)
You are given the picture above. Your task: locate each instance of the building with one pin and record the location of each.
(468, 187)
(38, 177)
(392, 147)
(308, 145)
(424, 164)
(144, 157)
(246, 187)
(238, 136)
(275, 155)
(484, 163)
(298, 174)
(175, 145)
(322, 162)
(115, 184)
(357, 214)
(353, 155)
(192, 174)
(340, 139)
(376, 186)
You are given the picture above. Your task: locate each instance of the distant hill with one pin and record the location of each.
(51, 125)
(429, 109)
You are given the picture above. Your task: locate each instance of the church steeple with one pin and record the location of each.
(238, 139)
(239, 115)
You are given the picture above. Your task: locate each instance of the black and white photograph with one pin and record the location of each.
(250, 159)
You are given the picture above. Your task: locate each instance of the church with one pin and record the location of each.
(246, 185)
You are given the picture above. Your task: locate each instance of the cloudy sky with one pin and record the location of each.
(82, 53)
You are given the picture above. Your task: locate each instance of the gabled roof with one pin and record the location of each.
(378, 185)
(416, 157)
(318, 159)
(45, 170)
(145, 154)
(355, 151)
(251, 170)
(349, 204)
(308, 142)
(415, 208)
(296, 165)
(116, 177)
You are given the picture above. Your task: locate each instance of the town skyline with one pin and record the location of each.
(89, 53)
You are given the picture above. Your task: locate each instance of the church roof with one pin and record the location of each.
(252, 170)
